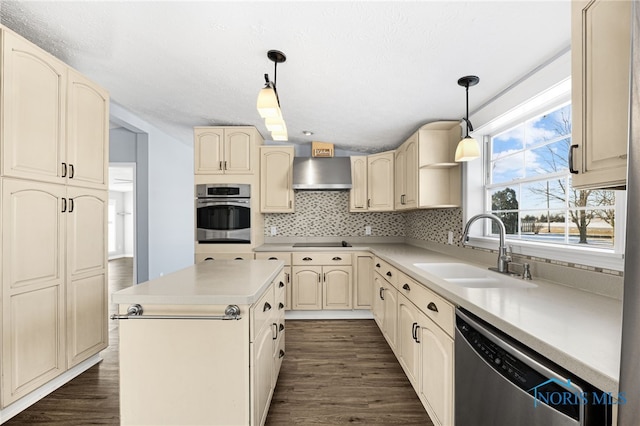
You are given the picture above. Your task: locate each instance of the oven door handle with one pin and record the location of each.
(235, 203)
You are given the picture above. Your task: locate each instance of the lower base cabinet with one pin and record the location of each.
(199, 371)
(321, 281)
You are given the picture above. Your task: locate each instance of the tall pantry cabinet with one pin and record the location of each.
(53, 179)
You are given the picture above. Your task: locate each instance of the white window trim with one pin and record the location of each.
(557, 92)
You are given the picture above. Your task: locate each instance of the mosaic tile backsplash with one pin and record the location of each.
(326, 214)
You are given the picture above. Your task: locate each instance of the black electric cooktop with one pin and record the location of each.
(329, 244)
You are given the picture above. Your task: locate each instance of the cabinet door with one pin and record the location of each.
(262, 375)
(410, 200)
(378, 300)
(601, 32)
(33, 111)
(209, 148)
(436, 372)
(87, 132)
(380, 177)
(408, 340)
(276, 179)
(87, 307)
(391, 315)
(400, 178)
(363, 292)
(237, 151)
(33, 337)
(358, 192)
(307, 287)
(336, 287)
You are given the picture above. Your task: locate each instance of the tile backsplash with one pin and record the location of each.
(326, 214)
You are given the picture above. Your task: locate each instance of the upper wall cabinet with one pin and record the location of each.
(276, 179)
(601, 54)
(380, 185)
(406, 174)
(439, 176)
(54, 120)
(226, 150)
(358, 197)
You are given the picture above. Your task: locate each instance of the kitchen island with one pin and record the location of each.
(202, 345)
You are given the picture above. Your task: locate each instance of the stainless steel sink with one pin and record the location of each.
(469, 276)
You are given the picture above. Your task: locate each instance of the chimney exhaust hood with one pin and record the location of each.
(317, 173)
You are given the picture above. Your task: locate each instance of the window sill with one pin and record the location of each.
(578, 255)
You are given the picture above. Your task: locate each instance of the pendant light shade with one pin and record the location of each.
(268, 103)
(468, 148)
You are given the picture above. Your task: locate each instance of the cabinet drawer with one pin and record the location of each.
(275, 255)
(434, 306)
(322, 258)
(201, 257)
(387, 271)
(262, 311)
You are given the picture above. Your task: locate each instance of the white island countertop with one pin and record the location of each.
(576, 329)
(219, 282)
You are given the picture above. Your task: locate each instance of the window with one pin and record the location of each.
(529, 186)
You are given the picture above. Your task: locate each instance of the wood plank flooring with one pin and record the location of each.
(342, 372)
(334, 372)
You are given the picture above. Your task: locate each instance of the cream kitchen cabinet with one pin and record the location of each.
(363, 280)
(406, 174)
(600, 78)
(436, 371)
(408, 344)
(358, 198)
(50, 267)
(439, 176)
(380, 181)
(276, 179)
(385, 303)
(55, 121)
(321, 281)
(286, 258)
(226, 150)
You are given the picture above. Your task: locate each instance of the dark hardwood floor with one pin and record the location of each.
(334, 372)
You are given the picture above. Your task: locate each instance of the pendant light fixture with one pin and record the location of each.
(467, 149)
(268, 103)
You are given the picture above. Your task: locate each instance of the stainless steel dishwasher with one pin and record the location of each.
(500, 382)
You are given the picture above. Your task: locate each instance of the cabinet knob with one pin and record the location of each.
(266, 307)
(280, 284)
(281, 354)
(281, 328)
(406, 287)
(280, 306)
(389, 274)
(432, 307)
(378, 265)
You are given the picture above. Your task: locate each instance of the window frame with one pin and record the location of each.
(477, 175)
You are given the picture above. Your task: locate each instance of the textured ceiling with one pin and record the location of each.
(363, 75)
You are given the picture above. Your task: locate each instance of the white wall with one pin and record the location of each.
(169, 206)
(127, 206)
(119, 224)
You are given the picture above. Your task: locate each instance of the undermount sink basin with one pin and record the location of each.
(469, 276)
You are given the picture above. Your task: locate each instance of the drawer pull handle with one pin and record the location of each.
(406, 287)
(209, 258)
(306, 259)
(281, 354)
(381, 295)
(266, 307)
(273, 258)
(280, 306)
(432, 307)
(288, 277)
(71, 171)
(281, 284)
(64, 170)
(238, 258)
(275, 327)
(389, 273)
(414, 330)
(337, 258)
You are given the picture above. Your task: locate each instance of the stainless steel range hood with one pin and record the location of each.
(316, 173)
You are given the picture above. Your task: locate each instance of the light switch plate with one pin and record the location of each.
(367, 230)
(274, 231)
(450, 237)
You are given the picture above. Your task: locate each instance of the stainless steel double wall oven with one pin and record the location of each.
(223, 213)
